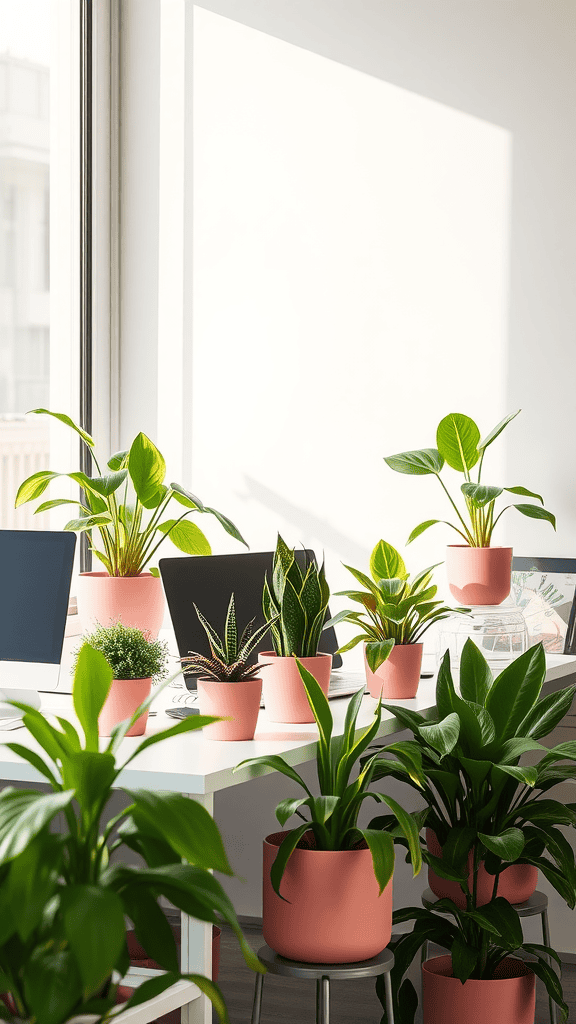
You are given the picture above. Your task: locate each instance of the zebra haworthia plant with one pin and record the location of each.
(230, 654)
(114, 503)
(396, 609)
(460, 446)
(294, 603)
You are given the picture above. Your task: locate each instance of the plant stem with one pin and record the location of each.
(469, 537)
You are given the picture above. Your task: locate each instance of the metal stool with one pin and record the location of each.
(536, 905)
(323, 975)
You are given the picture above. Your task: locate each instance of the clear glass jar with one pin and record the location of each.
(499, 631)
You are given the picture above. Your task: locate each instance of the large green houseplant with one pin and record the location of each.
(64, 899)
(460, 446)
(314, 914)
(486, 814)
(396, 613)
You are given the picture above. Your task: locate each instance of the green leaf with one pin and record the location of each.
(547, 713)
(52, 985)
(548, 976)
(56, 502)
(442, 736)
(151, 927)
(381, 846)
(32, 882)
(67, 421)
(90, 774)
(497, 430)
(525, 492)
(424, 526)
(292, 620)
(464, 958)
(185, 824)
(386, 563)
(285, 850)
(535, 512)
(457, 438)
(23, 814)
(286, 808)
(88, 522)
(187, 498)
(117, 461)
(377, 652)
(515, 691)
(475, 674)
(416, 463)
(106, 485)
(323, 716)
(277, 764)
(526, 775)
(445, 692)
(147, 469)
(35, 760)
(408, 827)
(227, 524)
(94, 926)
(480, 495)
(508, 844)
(186, 536)
(92, 680)
(34, 486)
(499, 917)
(547, 812)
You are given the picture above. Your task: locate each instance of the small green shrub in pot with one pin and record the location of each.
(294, 602)
(396, 613)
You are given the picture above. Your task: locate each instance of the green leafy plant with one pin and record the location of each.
(397, 610)
(481, 802)
(294, 602)
(129, 652)
(333, 815)
(64, 900)
(230, 654)
(459, 445)
(114, 503)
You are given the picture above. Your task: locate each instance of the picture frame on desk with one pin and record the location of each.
(545, 590)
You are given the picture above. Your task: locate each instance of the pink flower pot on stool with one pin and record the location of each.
(516, 883)
(398, 677)
(509, 998)
(285, 698)
(124, 697)
(238, 701)
(132, 600)
(478, 575)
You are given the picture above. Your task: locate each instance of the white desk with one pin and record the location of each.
(194, 765)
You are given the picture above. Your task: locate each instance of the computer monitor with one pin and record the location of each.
(34, 593)
(208, 582)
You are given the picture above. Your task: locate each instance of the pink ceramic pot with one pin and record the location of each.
(124, 697)
(133, 600)
(510, 998)
(399, 676)
(334, 913)
(285, 698)
(516, 883)
(238, 701)
(478, 575)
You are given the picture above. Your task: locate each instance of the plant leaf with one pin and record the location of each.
(186, 536)
(92, 680)
(386, 563)
(416, 463)
(497, 430)
(185, 824)
(442, 736)
(480, 495)
(508, 844)
(475, 674)
(94, 926)
(535, 512)
(525, 492)
(515, 691)
(147, 469)
(457, 438)
(67, 421)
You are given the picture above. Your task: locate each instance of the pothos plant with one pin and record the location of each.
(459, 445)
(396, 609)
(126, 505)
(64, 899)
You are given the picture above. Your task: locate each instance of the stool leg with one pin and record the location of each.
(388, 990)
(323, 1001)
(257, 1005)
(546, 941)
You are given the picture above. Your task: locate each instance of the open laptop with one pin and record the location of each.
(34, 594)
(209, 581)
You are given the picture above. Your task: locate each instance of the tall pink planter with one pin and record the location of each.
(285, 698)
(516, 883)
(399, 676)
(238, 701)
(124, 697)
(478, 575)
(334, 913)
(132, 600)
(510, 998)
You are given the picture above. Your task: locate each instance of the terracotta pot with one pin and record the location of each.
(399, 676)
(124, 697)
(516, 883)
(334, 913)
(285, 698)
(478, 575)
(132, 600)
(238, 701)
(510, 997)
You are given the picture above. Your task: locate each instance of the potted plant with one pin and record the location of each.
(136, 661)
(327, 890)
(478, 574)
(64, 900)
(228, 686)
(491, 826)
(294, 602)
(125, 503)
(397, 611)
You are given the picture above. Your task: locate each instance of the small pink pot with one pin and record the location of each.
(285, 698)
(238, 701)
(132, 600)
(334, 913)
(516, 883)
(509, 997)
(478, 575)
(399, 676)
(124, 697)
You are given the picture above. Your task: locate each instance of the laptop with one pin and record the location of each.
(208, 581)
(34, 594)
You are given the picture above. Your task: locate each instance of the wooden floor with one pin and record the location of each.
(293, 1002)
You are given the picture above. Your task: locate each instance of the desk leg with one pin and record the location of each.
(196, 953)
